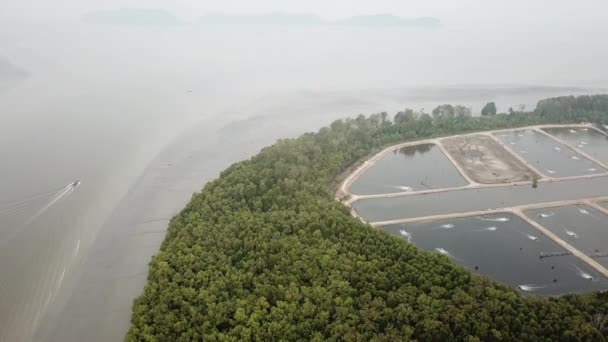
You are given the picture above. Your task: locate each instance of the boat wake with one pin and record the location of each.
(15, 213)
(68, 190)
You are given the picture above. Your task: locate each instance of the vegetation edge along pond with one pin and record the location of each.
(266, 253)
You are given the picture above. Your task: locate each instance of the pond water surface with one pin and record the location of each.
(383, 209)
(411, 168)
(581, 226)
(588, 140)
(505, 248)
(547, 155)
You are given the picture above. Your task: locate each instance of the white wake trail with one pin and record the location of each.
(67, 191)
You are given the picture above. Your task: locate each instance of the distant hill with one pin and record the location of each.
(9, 71)
(10, 75)
(144, 17)
(389, 20)
(310, 20)
(268, 19)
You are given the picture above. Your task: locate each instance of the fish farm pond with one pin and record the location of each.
(526, 207)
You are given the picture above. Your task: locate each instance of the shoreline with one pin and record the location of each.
(114, 269)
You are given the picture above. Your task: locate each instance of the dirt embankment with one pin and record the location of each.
(485, 161)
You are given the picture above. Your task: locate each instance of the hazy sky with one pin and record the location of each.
(481, 41)
(496, 12)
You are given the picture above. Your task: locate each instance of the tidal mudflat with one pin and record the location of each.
(547, 155)
(505, 248)
(411, 168)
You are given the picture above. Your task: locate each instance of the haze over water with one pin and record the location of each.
(100, 103)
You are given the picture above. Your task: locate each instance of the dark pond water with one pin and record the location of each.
(382, 209)
(412, 168)
(587, 140)
(548, 156)
(505, 248)
(581, 226)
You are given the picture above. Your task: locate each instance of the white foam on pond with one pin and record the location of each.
(403, 188)
(447, 226)
(442, 251)
(583, 211)
(529, 288)
(557, 148)
(551, 171)
(498, 219)
(571, 233)
(575, 158)
(532, 237)
(573, 131)
(583, 274)
(545, 215)
(405, 234)
(490, 229)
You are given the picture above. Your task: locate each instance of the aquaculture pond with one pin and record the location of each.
(547, 155)
(581, 226)
(412, 168)
(588, 140)
(505, 248)
(383, 209)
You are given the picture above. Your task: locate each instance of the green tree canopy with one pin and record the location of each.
(489, 109)
(266, 253)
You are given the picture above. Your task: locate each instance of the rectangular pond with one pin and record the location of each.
(588, 140)
(384, 209)
(581, 226)
(412, 168)
(547, 155)
(485, 160)
(505, 248)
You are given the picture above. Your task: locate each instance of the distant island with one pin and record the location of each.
(311, 20)
(10, 74)
(143, 17)
(10, 71)
(154, 17)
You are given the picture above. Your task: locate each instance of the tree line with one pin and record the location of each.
(266, 253)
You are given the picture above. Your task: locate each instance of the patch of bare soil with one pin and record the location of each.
(486, 161)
